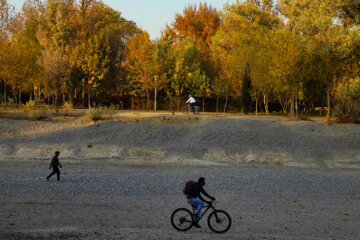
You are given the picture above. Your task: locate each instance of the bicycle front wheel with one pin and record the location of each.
(219, 221)
(181, 219)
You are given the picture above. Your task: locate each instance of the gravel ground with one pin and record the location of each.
(108, 201)
(278, 179)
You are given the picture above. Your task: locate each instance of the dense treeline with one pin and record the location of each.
(297, 53)
(64, 49)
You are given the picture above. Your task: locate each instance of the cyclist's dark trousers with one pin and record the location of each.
(57, 171)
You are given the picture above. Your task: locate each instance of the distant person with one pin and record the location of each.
(194, 198)
(191, 102)
(55, 164)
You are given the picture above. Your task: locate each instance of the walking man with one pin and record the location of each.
(55, 164)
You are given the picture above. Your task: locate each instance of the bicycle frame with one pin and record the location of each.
(209, 206)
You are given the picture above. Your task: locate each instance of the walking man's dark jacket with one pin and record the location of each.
(55, 162)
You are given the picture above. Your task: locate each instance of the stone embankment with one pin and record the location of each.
(200, 140)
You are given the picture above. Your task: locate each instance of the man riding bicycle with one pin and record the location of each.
(191, 102)
(194, 198)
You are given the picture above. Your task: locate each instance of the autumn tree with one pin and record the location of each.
(244, 27)
(118, 31)
(315, 22)
(199, 23)
(92, 58)
(284, 50)
(187, 62)
(55, 69)
(140, 64)
(6, 11)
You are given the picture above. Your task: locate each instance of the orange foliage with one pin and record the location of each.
(199, 23)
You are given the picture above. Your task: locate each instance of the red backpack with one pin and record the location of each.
(187, 187)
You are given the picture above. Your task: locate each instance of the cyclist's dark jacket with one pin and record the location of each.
(195, 191)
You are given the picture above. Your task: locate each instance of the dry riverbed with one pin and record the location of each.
(121, 179)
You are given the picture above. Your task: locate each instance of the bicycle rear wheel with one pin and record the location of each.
(181, 219)
(219, 221)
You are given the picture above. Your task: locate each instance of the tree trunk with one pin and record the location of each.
(217, 104)
(75, 95)
(82, 93)
(56, 100)
(147, 100)
(266, 103)
(226, 98)
(226, 101)
(132, 102)
(71, 95)
(5, 100)
(296, 105)
(328, 105)
(178, 103)
(89, 100)
(292, 106)
(282, 104)
(19, 97)
(256, 105)
(203, 103)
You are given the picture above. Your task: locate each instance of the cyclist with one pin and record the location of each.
(194, 198)
(191, 101)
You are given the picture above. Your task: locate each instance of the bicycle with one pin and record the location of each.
(219, 221)
(188, 109)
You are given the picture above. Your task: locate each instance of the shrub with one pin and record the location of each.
(304, 118)
(347, 101)
(30, 105)
(95, 114)
(31, 113)
(109, 111)
(68, 109)
(11, 103)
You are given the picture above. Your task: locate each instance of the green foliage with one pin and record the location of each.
(199, 84)
(186, 65)
(347, 98)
